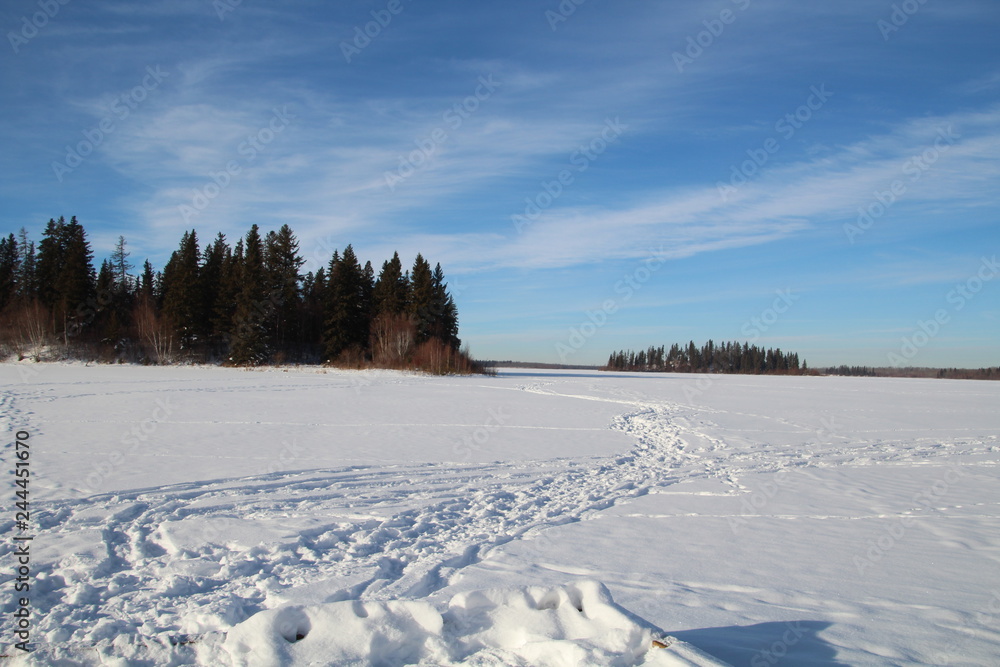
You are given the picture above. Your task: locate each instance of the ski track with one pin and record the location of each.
(388, 532)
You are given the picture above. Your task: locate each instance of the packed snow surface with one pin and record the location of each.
(197, 515)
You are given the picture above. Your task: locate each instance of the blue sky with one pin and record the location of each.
(592, 175)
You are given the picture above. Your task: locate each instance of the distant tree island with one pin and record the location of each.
(726, 357)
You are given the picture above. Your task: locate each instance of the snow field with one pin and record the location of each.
(194, 515)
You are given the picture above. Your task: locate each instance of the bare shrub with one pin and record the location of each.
(392, 337)
(155, 334)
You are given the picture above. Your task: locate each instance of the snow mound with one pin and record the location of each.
(577, 624)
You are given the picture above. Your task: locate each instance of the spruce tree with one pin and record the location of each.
(147, 282)
(9, 261)
(27, 281)
(314, 296)
(228, 290)
(347, 321)
(367, 300)
(391, 288)
(51, 254)
(105, 278)
(121, 266)
(249, 344)
(66, 276)
(211, 281)
(421, 299)
(444, 326)
(182, 297)
(283, 264)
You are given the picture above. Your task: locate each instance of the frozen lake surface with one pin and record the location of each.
(199, 515)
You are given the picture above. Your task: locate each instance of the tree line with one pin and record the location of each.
(989, 373)
(243, 305)
(725, 357)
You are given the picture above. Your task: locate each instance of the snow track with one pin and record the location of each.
(160, 574)
(178, 552)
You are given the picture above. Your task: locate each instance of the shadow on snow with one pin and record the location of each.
(766, 644)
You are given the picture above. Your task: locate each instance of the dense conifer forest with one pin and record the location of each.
(246, 304)
(709, 358)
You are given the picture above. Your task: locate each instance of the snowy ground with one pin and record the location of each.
(215, 516)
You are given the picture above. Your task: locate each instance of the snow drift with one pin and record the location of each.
(568, 626)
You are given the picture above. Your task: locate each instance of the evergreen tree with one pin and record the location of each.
(121, 266)
(282, 268)
(212, 287)
(9, 265)
(66, 276)
(105, 278)
(182, 297)
(421, 299)
(230, 286)
(314, 296)
(368, 288)
(347, 319)
(51, 253)
(111, 309)
(444, 325)
(391, 288)
(27, 281)
(249, 343)
(76, 280)
(147, 282)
